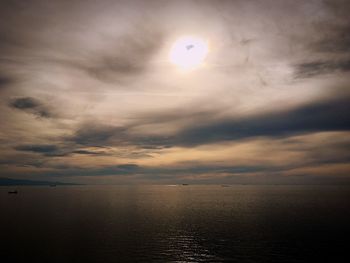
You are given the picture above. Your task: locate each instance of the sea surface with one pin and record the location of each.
(240, 223)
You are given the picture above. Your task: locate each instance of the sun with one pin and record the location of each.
(188, 52)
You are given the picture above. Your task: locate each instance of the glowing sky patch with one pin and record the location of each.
(188, 52)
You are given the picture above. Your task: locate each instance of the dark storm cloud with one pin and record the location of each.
(31, 105)
(311, 69)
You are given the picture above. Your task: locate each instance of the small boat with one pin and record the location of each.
(184, 184)
(52, 185)
(13, 192)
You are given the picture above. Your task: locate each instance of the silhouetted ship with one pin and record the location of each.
(52, 185)
(184, 184)
(13, 192)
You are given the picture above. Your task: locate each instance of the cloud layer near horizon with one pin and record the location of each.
(88, 95)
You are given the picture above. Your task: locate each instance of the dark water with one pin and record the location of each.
(175, 224)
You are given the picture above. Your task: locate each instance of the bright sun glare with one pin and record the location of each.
(188, 52)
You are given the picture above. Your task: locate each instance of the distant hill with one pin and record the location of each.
(8, 181)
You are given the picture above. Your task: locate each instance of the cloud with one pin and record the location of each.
(257, 160)
(130, 55)
(319, 116)
(252, 174)
(335, 38)
(107, 100)
(130, 169)
(63, 150)
(38, 148)
(327, 115)
(97, 135)
(121, 170)
(311, 69)
(25, 103)
(31, 105)
(4, 81)
(86, 152)
(47, 150)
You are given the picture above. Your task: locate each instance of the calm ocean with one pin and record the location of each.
(175, 224)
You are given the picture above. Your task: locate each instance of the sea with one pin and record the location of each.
(175, 223)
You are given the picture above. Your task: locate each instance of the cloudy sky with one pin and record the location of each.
(88, 93)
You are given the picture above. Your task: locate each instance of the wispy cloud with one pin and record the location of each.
(311, 69)
(31, 105)
(319, 116)
(87, 90)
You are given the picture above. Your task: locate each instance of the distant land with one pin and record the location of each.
(8, 181)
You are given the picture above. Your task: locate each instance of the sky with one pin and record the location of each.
(88, 93)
